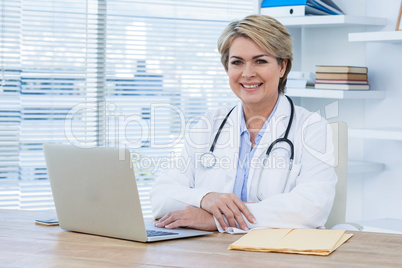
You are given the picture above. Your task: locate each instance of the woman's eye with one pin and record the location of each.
(261, 61)
(236, 62)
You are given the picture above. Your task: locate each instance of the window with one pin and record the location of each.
(104, 73)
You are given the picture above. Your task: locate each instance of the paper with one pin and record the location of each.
(301, 241)
(234, 230)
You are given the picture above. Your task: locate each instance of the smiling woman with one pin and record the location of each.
(273, 179)
(254, 77)
(274, 41)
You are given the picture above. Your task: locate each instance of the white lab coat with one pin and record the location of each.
(308, 197)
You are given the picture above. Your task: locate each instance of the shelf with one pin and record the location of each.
(380, 134)
(334, 94)
(389, 37)
(331, 20)
(362, 167)
(386, 225)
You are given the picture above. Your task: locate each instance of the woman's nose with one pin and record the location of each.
(248, 70)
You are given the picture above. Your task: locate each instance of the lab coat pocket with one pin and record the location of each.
(294, 173)
(275, 181)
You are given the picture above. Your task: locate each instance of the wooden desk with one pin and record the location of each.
(25, 244)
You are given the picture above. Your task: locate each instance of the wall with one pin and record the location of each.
(382, 196)
(371, 195)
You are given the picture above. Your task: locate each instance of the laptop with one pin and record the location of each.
(95, 192)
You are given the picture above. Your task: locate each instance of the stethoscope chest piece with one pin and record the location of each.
(208, 159)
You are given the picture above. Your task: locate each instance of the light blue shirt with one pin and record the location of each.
(246, 154)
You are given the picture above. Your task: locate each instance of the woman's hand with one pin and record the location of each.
(190, 217)
(229, 205)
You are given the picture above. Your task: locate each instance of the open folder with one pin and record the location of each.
(301, 241)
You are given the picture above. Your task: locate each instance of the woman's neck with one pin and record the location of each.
(255, 118)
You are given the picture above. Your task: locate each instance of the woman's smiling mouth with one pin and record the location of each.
(253, 86)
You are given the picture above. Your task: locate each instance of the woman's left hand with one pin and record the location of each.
(191, 217)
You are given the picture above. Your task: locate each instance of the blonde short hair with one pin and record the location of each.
(268, 33)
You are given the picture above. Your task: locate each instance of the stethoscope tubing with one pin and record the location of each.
(212, 148)
(208, 159)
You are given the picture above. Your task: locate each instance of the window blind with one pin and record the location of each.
(10, 109)
(106, 73)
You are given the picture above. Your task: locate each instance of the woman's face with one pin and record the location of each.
(254, 74)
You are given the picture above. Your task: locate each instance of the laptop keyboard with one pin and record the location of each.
(151, 233)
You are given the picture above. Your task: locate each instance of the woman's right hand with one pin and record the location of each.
(229, 205)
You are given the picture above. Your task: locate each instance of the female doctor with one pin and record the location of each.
(264, 163)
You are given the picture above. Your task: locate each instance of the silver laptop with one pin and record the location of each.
(95, 192)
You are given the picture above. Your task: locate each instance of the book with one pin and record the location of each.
(340, 69)
(291, 11)
(334, 81)
(327, 6)
(342, 86)
(341, 76)
(278, 3)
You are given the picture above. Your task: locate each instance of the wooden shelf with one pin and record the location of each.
(361, 167)
(380, 134)
(389, 37)
(331, 20)
(334, 94)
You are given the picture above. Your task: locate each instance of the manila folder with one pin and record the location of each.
(301, 241)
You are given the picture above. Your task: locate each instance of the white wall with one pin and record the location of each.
(373, 195)
(382, 196)
(370, 195)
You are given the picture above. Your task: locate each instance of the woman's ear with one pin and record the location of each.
(283, 64)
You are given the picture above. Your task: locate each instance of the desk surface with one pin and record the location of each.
(23, 243)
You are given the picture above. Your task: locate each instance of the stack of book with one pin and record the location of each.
(295, 8)
(341, 77)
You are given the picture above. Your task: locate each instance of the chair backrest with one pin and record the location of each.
(340, 138)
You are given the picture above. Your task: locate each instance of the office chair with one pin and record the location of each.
(340, 139)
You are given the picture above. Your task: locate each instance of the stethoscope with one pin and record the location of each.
(208, 159)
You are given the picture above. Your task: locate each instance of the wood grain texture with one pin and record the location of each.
(25, 244)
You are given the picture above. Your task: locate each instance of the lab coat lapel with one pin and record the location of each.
(275, 129)
(230, 151)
